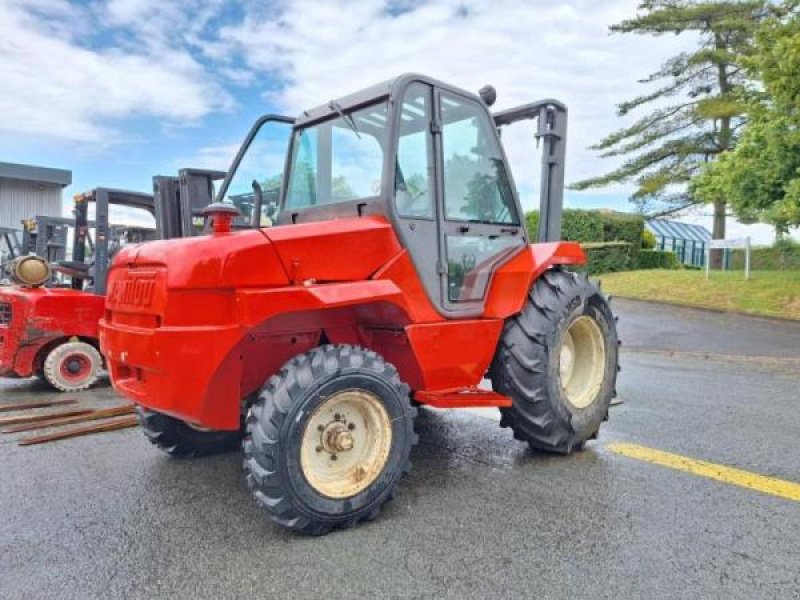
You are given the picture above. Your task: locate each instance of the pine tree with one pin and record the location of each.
(760, 178)
(699, 109)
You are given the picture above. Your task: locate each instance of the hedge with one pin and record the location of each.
(612, 240)
(648, 240)
(607, 257)
(594, 226)
(624, 228)
(656, 259)
(768, 259)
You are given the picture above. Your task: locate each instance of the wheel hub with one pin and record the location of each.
(337, 438)
(75, 367)
(582, 361)
(346, 443)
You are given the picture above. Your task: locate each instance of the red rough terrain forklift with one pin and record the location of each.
(398, 273)
(51, 330)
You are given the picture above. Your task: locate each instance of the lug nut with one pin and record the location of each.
(333, 457)
(337, 416)
(320, 428)
(319, 448)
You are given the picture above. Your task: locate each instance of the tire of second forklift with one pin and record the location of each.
(181, 440)
(313, 394)
(72, 366)
(527, 363)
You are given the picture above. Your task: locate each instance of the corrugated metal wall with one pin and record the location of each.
(24, 199)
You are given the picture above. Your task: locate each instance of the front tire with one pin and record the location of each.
(178, 439)
(72, 366)
(329, 439)
(557, 360)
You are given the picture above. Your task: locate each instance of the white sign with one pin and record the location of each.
(734, 243)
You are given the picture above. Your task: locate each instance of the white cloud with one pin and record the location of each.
(54, 86)
(526, 50)
(211, 157)
(171, 60)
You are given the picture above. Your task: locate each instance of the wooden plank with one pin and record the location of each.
(29, 405)
(42, 417)
(112, 425)
(94, 415)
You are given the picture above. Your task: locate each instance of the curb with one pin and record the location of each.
(742, 358)
(719, 311)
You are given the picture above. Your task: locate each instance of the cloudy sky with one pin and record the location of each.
(120, 90)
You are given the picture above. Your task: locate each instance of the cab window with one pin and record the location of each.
(476, 185)
(338, 160)
(412, 189)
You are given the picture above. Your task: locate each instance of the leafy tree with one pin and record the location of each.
(698, 108)
(761, 177)
(417, 184)
(272, 184)
(477, 186)
(304, 186)
(341, 190)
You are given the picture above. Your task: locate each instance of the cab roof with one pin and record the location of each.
(370, 95)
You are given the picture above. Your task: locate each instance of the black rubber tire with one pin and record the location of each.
(176, 438)
(526, 364)
(275, 426)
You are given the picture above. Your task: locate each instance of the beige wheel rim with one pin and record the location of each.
(582, 361)
(346, 443)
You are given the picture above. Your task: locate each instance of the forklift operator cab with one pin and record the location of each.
(382, 152)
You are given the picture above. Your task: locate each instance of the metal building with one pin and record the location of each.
(687, 241)
(27, 191)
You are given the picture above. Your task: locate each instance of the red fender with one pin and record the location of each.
(512, 281)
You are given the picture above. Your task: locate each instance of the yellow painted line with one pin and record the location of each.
(753, 481)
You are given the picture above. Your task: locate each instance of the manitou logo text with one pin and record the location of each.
(133, 292)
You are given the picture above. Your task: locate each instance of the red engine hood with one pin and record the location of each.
(339, 250)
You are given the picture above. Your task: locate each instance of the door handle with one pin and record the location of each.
(509, 230)
(463, 229)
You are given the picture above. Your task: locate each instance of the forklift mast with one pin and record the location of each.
(179, 201)
(551, 122)
(176, 204)
(11, 247)
(46, 237)
(103, 199)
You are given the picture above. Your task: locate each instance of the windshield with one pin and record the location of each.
(338, 160)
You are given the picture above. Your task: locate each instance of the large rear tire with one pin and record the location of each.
(558, 361)
(329, 439)
(177, 438)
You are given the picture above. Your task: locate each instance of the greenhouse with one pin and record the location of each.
(687, 241)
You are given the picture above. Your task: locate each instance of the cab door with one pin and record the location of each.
(414, 193)
(478, 213)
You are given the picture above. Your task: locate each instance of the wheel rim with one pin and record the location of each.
(346, 443)
(582, 361)
(75, 367)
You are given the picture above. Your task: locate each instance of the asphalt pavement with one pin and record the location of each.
(479, 516)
